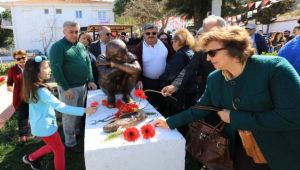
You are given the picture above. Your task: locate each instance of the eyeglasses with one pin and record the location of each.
(21, 58)
(39, 59)
(212, 53)
(148, 33)
(108, 34)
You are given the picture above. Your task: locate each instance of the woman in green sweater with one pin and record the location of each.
(260, 94)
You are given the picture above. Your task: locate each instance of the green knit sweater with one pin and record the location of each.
(70, 64)
(264, 99)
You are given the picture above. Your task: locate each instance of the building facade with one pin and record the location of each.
(37, 24)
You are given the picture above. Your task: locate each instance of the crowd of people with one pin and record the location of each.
(220, 66)
(276, 40)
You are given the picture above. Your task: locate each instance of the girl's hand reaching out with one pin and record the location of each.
(90, 110)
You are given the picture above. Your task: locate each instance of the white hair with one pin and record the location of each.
(214, 18)
(70, 24)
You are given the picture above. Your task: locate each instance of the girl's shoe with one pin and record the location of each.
(35, 165)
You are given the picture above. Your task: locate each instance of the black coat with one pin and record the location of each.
(181, 72)
(95, 48)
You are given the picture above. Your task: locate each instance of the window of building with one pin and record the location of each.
(58, 11)
(102, 15)
(78, 14)
(46, 11)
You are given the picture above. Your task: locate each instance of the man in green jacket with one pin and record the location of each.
(72, 70)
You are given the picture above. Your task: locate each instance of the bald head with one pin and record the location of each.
(213, 21)
(104, 34)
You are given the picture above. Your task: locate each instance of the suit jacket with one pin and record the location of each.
(95, 48)
(264, 99)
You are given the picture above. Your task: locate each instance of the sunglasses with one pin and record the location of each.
(20, 58)
(164, 39)
(108, 34)
(148, 33)
(212, 53)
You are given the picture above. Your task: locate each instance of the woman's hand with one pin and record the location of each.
(92, 86)
(10, 88)
(224, 115)
(112, 64)
(139, 85)
(90, 110)
(168, 90)
(160, 123)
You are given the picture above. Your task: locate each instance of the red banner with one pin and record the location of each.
(251, 5)
(264, 2)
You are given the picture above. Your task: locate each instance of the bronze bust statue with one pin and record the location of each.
(118, 71)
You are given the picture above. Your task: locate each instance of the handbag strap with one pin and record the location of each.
(220, 126)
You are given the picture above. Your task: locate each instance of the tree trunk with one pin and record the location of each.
(200, 10)
(197, 16)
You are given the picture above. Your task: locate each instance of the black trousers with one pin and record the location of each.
(155, 99)
(23, 113)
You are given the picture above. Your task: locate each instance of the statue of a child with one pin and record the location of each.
(118, 71)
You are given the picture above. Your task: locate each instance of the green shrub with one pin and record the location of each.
(4, 67)
(274, 53)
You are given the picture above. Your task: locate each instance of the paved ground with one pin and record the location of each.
(6, 108)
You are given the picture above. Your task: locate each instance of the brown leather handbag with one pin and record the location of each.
(208, 144)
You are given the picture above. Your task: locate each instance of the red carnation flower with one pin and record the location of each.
(140, 94)
(131, 134)
(119, 103)
(125, 109)
(105, 103)
(94, 104)
(148, 131)
(2, 79)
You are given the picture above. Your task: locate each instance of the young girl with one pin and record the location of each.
(41, 112)
(14, 84)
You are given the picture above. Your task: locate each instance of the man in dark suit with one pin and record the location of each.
(99, 47)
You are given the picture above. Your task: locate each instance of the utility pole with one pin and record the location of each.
(216, 7)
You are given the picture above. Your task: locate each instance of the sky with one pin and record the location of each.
(1, 9)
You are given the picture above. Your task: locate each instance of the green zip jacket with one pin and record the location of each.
(266, 99)
(70, 64)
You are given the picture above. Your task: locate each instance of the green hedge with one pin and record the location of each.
(274, 53)
(4, 67)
